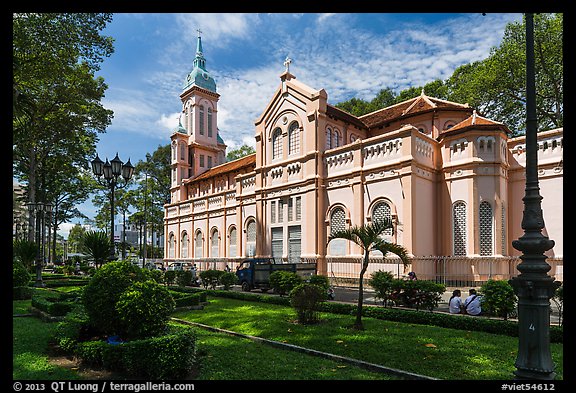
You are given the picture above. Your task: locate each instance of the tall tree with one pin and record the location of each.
(56, 98)
(369, 238)
(496, 86)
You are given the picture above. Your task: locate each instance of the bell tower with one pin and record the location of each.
(196, 142)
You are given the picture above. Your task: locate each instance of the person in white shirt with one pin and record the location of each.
(455, 302)
(472, 303)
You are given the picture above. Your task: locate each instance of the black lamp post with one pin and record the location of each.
(110, 171)
(533, 286)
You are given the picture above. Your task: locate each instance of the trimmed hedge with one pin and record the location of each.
(55, 304)
(170, 356)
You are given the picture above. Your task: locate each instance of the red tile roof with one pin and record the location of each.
(476, 121)
(416, 105)
(231, 166)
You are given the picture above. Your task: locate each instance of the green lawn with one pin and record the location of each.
(426, 350)
(222, 357)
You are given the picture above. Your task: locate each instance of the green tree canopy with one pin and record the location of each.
(240, 152)
(57, 111)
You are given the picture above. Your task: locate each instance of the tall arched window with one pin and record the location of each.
(232, 252)
(174, 151)
(199, 245)
(209, 122)
(182, 151)
(201, 119)
(214, 244)
(486, 238)
(251, 238)
(184, 245)
(328, 138)
(293, 139)
(277, 143)
(337, 223)
(336, 138)
(171, 245)
(459, 228)
(380, 212)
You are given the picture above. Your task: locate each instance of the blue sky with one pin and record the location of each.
(347, 54)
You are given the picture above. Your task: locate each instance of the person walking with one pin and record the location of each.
(455, 302)
(472, 303)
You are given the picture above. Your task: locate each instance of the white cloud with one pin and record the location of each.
(219, 27)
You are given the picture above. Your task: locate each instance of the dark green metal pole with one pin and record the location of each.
(533, 286)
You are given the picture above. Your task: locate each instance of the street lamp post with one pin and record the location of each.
(110, 171)
(533, 286)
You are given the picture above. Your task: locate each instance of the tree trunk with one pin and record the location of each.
(358, 323)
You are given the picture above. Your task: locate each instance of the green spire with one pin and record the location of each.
(199, 76)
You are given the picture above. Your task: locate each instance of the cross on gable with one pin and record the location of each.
(287, 63)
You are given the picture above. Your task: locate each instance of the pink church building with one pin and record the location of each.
(451, 180)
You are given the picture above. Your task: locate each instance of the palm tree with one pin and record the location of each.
(369, 238)
(97, 245)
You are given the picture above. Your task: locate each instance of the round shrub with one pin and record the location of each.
(211, 277)
(228, 279)
(321, 281)
(305, 298)
(144, 309)
(183, 278)
(103, 291)
(381, 282)
(498, 298)
(283, 281)
(20, 275)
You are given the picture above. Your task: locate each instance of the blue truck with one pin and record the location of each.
(254, 273)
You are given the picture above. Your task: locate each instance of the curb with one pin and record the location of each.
(291, 347)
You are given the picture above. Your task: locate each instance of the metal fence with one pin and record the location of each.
(448, 270)
(451, 271)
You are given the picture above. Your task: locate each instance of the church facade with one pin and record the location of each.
(451, 180)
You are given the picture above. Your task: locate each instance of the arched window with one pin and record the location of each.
(251, 238)
(232, 251)
(277, 144)
(380, 212)
(214, 243)
(209, 122)
(199, 245)
(486, 238)
(337, 223)
(293, 139)
(184, 245)
(328, 138)
(336, 138)
(201, 118)
(173, 151)
(171, 245)
(459, 228)
(182, 151)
